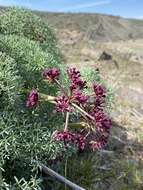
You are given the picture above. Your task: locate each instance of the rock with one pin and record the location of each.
(137, 58)
(105, 56)
(118, 138)
(86, 60)
(117, 143)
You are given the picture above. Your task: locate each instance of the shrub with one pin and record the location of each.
(9, 81)
(24, 23)
(25, 135)
(27, 46)
(29, 56)
(29, 61)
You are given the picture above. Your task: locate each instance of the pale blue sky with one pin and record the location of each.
(125, 8)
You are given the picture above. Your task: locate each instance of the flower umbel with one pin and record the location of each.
(62, 104)
(102, 121)
(51, 74)
(96, 131)
(70, 138)
(79, 98)
(99, 144)
(100, 95)
(99, 90)
(76, 82)
(32, 99)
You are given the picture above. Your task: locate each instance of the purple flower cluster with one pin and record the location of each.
(32, 99)
(99, 90)
(51, 74)
(99, 144)
(76, 81)
(79, 98)
(96, 136)
(70, 138)
(62, 104)
(102, 121)
(76, 86)
(100, 95)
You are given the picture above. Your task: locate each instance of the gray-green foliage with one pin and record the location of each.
(25, 24)
(21, 184)
(27, 46)
(9, 80)
(29, 56)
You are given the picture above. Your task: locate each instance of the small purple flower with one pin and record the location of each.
(51, 74)
(76, 82)
(100, 95)
(32, 99)
(99, 103)
(99, 90)
(80, 83)
(79, 98)
(99, 144)
(79, 140)
(62, 104)
(102, 121)
(65, 136)
(96, 145)
(73, 73)
(73, 87)
(70, 138)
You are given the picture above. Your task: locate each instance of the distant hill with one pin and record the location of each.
(96, 27)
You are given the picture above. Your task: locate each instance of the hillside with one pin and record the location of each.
(96, 27)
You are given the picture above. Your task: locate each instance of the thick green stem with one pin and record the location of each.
(48, 98)
(78, 125)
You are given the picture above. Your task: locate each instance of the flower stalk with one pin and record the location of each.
(82, 111)
(66, 122)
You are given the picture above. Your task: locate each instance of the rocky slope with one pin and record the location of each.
(96, 27)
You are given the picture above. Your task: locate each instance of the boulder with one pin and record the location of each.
(105, 56)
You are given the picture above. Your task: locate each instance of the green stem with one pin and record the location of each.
(78, 125)
(82, 111)
(61, 87)
(73, 104)
(66, 122)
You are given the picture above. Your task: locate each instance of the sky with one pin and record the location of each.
(124, 8)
